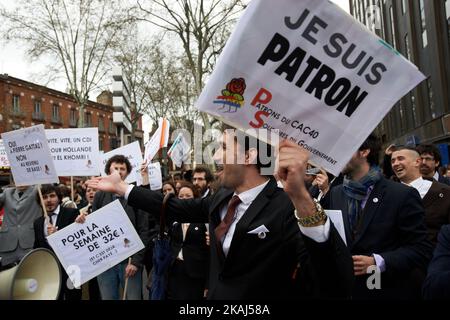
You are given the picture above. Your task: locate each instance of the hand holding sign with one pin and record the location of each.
(130, 270)
(292, 162)
(51, 229)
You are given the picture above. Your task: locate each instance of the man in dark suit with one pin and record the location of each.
(431, 160)
(435, 196)
(384, 225)
(437, 283)
(58, 218)
(255, 243)
(112, 279)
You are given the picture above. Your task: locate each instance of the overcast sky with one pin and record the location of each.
(14, 62)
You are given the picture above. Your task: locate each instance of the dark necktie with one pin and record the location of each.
(50, 217)
(20, 194)
(223, 227)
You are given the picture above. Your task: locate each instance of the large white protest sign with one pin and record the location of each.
(158, 140)
(155, 176)
(310, 70)
(75, 151)
(133, 153)
(105, 239)
(4, 162)
(29, 156)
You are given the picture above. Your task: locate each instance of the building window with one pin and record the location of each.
(73, 117)
(100, 143)
(37, 111)
(111, 126)
(403, 6)
(391, 17)
(407, 48)
(55, 113)
(402, 112)
(88, 119)
(432, 106)
(414, 109)
(447, 11)
(423, 24)
(16, 103)
(37, 107)
(447, 8)
(101, 126)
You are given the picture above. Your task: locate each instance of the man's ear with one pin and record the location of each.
(251, 156)
(364, 153)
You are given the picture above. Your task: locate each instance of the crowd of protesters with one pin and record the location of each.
(236, 234)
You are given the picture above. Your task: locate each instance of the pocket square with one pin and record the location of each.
(260, 229)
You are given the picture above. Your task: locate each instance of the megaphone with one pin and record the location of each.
(36, 277)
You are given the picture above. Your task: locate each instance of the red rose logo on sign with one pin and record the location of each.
(232, 96)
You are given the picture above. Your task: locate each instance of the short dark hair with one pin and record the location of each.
(208, 175)
(265, 151)
(171, 183)
(64, 191)
(430, 149)
(49, 188)
(374, 145)
(120, 159)
(187, 184)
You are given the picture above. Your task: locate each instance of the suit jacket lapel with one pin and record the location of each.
(250, 214)
(431, 195)
(59, 221)
(220, 198)
(341, 202)
(374, 200)
(16, 195)
(217, 203)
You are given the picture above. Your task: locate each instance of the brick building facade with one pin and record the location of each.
(24, 104)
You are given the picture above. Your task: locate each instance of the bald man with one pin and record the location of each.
(435, 196)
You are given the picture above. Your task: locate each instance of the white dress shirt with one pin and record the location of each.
(53, 219)
(422, 185)
(247, 198)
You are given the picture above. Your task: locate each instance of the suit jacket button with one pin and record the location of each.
(441, 195)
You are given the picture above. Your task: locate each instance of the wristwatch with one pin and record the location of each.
(312, 220)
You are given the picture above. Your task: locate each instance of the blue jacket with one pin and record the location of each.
(437, 283)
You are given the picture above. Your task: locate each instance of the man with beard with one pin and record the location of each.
(431, 159)
(256, 243)
(384, 226)
(406, 163)
(58, 218)
(202, 178)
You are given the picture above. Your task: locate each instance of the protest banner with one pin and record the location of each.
(133, 153)
(310, 70)
(105, 239)
(75, 151)
(29, 156)
(158, 140)
(4, 162)
(155, 176)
